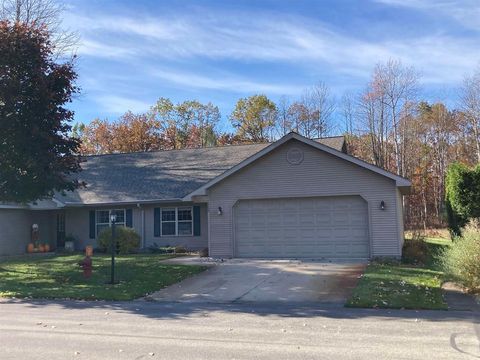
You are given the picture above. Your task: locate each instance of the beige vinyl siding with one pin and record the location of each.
(77, 224)
(15, 229)
(319, 174)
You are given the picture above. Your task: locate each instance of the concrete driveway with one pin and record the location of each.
(287, 281)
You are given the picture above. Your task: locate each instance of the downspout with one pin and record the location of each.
(143, 228)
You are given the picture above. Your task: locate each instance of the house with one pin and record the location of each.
(294, 198)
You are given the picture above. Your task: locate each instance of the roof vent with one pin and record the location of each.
(295, 156)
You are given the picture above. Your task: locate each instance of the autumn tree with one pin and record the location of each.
(186, 124)
(254, 118)
(164, 113)
(301, 120)
(135, 132)
(37, 153)
(96, 137)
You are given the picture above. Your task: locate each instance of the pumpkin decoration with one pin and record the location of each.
(30, 248)
(46, 247)
(41, 248)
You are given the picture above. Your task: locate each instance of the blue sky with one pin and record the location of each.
(133, 52)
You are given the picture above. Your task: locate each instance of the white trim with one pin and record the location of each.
(127, 202)
(176, 221)
(19, 207)
(400, 181)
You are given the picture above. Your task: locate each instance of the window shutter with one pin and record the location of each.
(92, 224)
(196, 220)
(156, 222)
(128, 218)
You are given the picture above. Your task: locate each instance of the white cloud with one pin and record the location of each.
(120, 104)
(465, 12)
(266, 38)
(222, 81)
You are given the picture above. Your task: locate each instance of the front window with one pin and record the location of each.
(177, 221)
(169, 220)
(103, 219)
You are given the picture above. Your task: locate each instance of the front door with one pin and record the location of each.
(60, 230)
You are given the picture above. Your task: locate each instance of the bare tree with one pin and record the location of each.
(284, 121)
(46, 13)
(398, 86)
(372, 121)
(470, 103)
(347, 109)
(320, 105)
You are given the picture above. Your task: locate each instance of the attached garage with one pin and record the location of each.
(312, 228)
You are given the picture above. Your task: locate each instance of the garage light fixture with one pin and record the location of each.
(382, 205)
(220, 210)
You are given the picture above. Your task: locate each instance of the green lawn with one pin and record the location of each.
(60, 277)
(395, 285)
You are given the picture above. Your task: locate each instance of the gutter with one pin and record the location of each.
(114, 203)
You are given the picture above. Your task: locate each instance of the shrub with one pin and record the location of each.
(126, 238)
(415, 250)
(203, 252)
(461, 261)
(180, 250)
(157, 249)
(462, 196)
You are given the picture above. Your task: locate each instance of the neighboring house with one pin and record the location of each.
(294, 198)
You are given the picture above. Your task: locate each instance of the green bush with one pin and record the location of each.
(180, 250)
(462, 196)
(127, 239)
(461, 261)
(415, 250)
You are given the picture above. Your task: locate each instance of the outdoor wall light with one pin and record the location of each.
(382, 205)
(220, 210)
(113, 218)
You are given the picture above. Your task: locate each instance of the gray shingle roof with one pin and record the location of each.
(159, 175)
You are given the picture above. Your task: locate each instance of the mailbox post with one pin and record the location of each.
(113, 219)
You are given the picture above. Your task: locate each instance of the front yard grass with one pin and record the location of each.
(60, 277)
(396, 285)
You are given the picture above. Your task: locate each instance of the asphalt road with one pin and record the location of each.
(146, 330)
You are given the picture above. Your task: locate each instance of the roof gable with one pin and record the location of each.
(400, 181)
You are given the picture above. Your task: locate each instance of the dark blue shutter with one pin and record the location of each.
(92, 224)
(156, 222)
(196, 220)
(128, 218)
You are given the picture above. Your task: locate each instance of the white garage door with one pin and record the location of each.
(327, 227)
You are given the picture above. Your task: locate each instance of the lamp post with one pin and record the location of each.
(113, 219)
